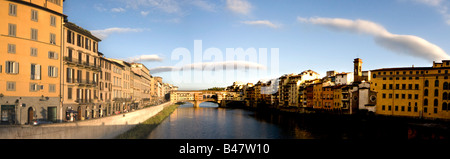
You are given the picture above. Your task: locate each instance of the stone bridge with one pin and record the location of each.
(198, 97)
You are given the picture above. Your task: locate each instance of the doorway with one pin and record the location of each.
(30, 115)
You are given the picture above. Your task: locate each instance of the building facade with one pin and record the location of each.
(81, 70)
(30, 40)
(419, 92)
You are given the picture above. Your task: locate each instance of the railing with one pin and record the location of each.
(81, 101)
(122, 99)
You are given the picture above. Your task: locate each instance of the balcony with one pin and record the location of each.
(122, 99)
(86, 83)
(84, 101)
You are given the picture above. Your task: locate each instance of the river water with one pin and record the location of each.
(211, 122)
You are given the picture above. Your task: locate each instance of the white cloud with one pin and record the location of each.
(145, 13)
(262, 22)
(117, 10)
(204, 5)
(168, 6)
(206, 66)
(102, 34)
(440, 5)
(145, 58)
(239, 6)
(403, 44)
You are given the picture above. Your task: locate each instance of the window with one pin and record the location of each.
(12, 10)
(79, 40)
(11, 48)
(425, 102)
(51, 88)
(383, 107)
(35, 72)
(52, 38)
(87, 43)
(444, 106)
(34, 34)
(426, 83)
(416, 86)
(0, 68)
(10, 86)
(444, 96)
(70, 37)
(436, 102)
(57, 2)
(445, 85)
(436, 83)
(34, 15)
(70, 75)
(409, 96)
(69, 93)
(425, 92)
(33, 52)
(403, 108)
(52, 20)
(384, 86)
(396, 108)
(436, 92)
(416, 96)
(12, 67)
(12, 30)
(397, 86)
(52, 55)
(34, 87)
(52, 71)
(390, 86)
(79, 76)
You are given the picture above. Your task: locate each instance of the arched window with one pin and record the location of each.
(425, 92)
(444, 96)
(426, 83)
(425, 102)
(444, 106)
(436, 92)
(445, 85)
(436, 102)
(436, 83)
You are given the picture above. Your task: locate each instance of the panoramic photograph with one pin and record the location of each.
(225, 69)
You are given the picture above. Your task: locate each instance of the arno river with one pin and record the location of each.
(211, 122)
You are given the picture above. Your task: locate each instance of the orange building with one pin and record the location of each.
(30, 40)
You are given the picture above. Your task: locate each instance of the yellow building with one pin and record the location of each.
(30, 40)
(317, 95)
(81, 70)
(421, 92)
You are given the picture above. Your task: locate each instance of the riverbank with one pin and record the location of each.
(142, 130)
(364, 123)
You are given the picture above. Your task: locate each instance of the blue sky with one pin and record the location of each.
(320, 35)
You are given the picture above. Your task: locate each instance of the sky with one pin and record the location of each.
(217, 42)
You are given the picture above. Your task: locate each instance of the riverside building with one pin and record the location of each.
(30, 40)
(420, 92)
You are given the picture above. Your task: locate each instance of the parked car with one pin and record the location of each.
(40, 121)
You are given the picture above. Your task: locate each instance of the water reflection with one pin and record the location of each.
(211, 122)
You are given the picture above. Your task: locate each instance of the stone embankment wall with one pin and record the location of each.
(101, 128)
